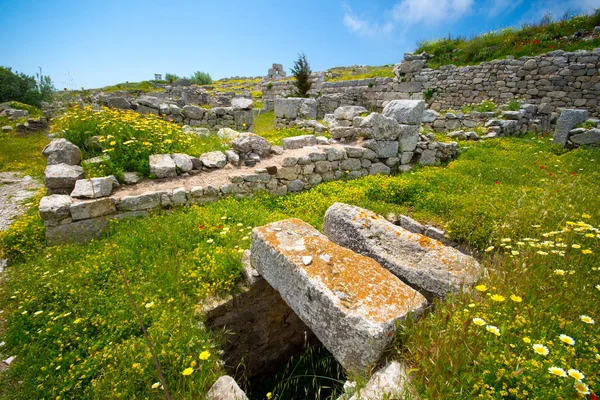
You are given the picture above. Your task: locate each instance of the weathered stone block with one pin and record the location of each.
(298, 142)
(409, 112)
(92, 208)
(183, 161)
(145, 201)
(162, 166)
(568, 120)
(349, 301)
(61, 178)
(61, 151)
(214, 159)
(55, 207)
(422, 262)
(92, 188)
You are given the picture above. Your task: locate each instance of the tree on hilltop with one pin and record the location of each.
(301, 71)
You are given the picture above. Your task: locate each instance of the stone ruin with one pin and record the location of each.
(76, 209)
(276, 73)
(574, 129)
(347, 287)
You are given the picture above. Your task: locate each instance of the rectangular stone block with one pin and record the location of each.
(422, 262)
(92, 208)
(350, 302)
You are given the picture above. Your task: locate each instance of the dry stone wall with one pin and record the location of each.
(558, 79)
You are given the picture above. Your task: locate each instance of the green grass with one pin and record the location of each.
(264, 126)
(351, 73)
(133, 87)
(528, 40)
(23, 153)
(34, 112)
(511, 188)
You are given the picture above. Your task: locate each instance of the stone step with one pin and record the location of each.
(422, 262)
(350, 302)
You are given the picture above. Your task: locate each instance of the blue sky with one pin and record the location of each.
(89, 43)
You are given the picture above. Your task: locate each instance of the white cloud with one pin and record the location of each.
(429, 12)
(496, 7)
(406, 13)
(363, 27)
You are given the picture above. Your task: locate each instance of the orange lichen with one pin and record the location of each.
(361, 284)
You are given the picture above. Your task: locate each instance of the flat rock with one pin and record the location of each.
(348, 112)
(214, 159)
(61, 178)
(409, 112)
(92, 188)
(193, 112)
(591, 137)
(92, 208)
(227, 134)
(226, 388)
(162, 166)
(61, 151)
(350, 302)
(241, 103)
(298, 142)
(131, 178)
(422, 262)
(378, 127)
(144, 201)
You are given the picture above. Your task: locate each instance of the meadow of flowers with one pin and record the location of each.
(528, 330)
(127, 138)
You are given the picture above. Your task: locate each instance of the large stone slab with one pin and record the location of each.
(378, 127)
(422, 262)
(590, 138)
(251, 143)
(162, 166)
(145, 201)
(348, 112)
(93, 188)
(61, 151)
(568, 120)
(409, 112)
(298, 142)
(350, 302)
(61, 178)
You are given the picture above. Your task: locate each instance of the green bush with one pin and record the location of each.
(170, 78)
(201, 78)
(24, 88)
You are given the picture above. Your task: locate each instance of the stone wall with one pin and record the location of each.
(558, 79)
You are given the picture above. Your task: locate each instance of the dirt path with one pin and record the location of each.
(15, 190)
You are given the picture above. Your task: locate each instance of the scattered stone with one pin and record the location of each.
(568, 120)
(422, 262)
(93, 188)
(353, 315)
(162, 166)
(214, 159)
(232, 157)
(7, 128)
(193, 112)
(227, 134)
(411, 225)
(298, 142)
(118, 102)
(225, 388)
(590, 138)
(183, 161)
(430, 116)
(251, 143)
(390, 382)
(131, 178)
(61, 151)
(348, 112)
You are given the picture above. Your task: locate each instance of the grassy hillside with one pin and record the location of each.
(569, 34)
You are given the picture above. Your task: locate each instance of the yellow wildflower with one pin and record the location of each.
(187, 371)
(204, 355)
(515, 298)
(481, 288)
(497, 297)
